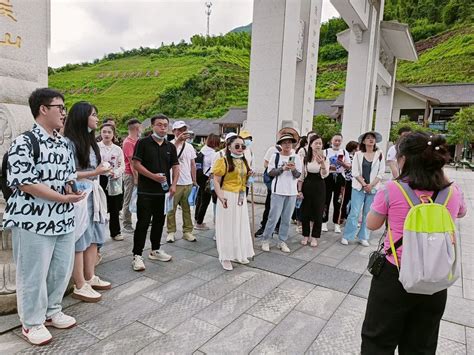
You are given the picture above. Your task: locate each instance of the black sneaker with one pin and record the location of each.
(259, 233)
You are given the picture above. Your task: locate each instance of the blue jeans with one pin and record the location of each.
(359, 201)
(43, 269)
(280, 206)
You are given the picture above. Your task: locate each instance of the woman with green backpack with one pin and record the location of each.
(409, 289)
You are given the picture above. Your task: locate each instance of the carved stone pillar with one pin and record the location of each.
(24, 40)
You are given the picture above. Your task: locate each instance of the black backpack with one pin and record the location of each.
(6, 190)
(201, 175)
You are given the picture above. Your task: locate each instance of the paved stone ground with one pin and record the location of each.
(310, 301)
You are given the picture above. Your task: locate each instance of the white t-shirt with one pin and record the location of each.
(333, 155)
(188, 155)
(285, 184)
(392, 153)
(209, 155)
(272, 150)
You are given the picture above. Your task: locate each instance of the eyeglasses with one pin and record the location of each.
(240, 146)
(62, 108)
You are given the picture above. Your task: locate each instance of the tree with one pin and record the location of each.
(326, 127)
(415, 127)
(461, 127)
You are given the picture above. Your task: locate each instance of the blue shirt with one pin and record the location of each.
(54, 168)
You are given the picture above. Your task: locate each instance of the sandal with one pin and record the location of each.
(305, 241)
(314, 242)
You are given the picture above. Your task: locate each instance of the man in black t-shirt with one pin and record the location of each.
(153, 159)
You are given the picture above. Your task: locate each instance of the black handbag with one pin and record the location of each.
(377, 257)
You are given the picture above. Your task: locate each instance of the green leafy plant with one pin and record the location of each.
(326, 127)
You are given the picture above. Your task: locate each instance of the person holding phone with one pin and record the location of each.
(312, 190)
(339, 160)
(230, 174)
(285, 167)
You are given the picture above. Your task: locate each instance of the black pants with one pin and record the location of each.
(312, 208)
(149, 206)
(334, 184)
(347, 199)
(395, 317)
(266, 211)
(202, 202)
(114, 205)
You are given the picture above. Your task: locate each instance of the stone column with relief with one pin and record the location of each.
(24, 41)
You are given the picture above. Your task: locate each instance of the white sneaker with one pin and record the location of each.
(159, 255)
(128, 229)
(98, 284)
(227, 265)
(118, 237)
(324, 227)
(244, 261)
(364, 243)
(86, 294)
(37, 335)
(189, 237)
(60, 321)
(170, 238)
(344, 241)
(266, 246)
(337, 228)
(201, 227)
(137, 263)
(283, 247)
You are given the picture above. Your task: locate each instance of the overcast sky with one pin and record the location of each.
(82, 30)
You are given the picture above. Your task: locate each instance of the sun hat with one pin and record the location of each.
(377, 135)
(179, 124)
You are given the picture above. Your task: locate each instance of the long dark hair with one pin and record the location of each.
(425, 155)
(228, 156)
(309, 156)
(302, 143)
(76, 130)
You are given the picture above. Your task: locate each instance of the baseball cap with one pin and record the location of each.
(179, 124)
(230, 135)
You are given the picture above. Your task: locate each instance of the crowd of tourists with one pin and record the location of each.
(71, 178)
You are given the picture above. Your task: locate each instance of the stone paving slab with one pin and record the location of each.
(321, 302)
(275, 305)
(127, 340)
(166, 318)
(362, 287)
(118, 318)
(293, 335)
(227, 309)
(277, 264)
(72, 341)
(261, 284)
(10, 343)
(452, 331)
(327, 276)
(240, 337)
(183, 339)
(120, 294)
(220, 286)
(460, 311)
(171, 291)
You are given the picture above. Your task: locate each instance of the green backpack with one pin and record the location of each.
(431, 255)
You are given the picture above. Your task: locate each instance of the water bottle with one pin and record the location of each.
(299, 202)
(211, 183)
(164, 184)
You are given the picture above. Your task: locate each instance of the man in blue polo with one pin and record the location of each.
(40, 214)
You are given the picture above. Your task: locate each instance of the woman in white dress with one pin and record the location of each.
(233, 236)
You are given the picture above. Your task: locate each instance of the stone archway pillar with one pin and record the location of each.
(24, 41)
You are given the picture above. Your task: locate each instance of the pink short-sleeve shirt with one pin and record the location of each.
(390, 202)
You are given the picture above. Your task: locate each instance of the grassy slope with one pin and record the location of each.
(191, 86)
(119, 96)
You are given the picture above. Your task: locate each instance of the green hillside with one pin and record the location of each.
(203, 78)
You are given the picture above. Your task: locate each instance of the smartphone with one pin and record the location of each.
(340, 157)
(292, 159)
(73, 185)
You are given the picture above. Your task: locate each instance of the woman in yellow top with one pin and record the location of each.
(234, 241)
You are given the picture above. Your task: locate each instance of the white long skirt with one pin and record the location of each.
(233, 236)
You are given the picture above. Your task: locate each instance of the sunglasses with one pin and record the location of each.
(240, 146)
